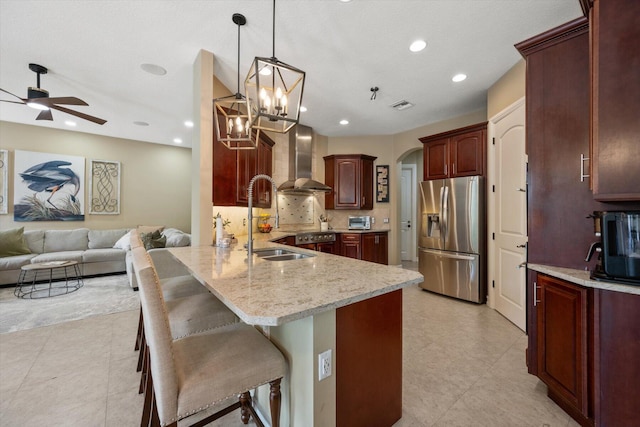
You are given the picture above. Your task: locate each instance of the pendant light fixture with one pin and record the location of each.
(230, 116)
(274, 91)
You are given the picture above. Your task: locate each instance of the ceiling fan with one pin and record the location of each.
(38, 98)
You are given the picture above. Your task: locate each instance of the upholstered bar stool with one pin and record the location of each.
(189, 313)
(199, 378)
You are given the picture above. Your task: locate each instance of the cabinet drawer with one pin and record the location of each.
(350, 238)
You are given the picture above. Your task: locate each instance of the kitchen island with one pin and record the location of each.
(308, 306)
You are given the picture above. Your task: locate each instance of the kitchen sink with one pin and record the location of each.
(271, 251)
(277, 254)
(286, 257)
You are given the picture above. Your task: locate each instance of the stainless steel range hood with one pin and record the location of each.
(300, 156)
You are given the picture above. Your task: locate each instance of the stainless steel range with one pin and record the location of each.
(315, 237)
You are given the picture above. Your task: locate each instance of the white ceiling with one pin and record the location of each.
(94, 49)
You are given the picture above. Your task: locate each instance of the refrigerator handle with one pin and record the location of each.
(444, 212)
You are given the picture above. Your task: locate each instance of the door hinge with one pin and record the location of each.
(493, 188)
(493, 141)
(493, 283)
(493, 236)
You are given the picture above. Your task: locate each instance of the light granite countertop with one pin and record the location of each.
(582, 278)
(271, 293)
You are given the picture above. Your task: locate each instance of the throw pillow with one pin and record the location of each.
(153, 240)
(149, 228)
(124, 242)
(12, 242)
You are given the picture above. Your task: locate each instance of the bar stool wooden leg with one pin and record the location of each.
(139, 333)
(245, 402)
(143, 345)
(274, 402)
(146, 370)
(147, 408)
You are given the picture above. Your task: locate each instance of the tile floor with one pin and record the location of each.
(463, 366)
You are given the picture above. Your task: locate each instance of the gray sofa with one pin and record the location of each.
(93, 249)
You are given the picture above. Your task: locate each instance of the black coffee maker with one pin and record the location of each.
(618, 247)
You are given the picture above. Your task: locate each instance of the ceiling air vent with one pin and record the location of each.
(401, 105)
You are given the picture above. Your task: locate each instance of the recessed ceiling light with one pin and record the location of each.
(70, 123)
(345, 1)
(344, 122)
(459, 77)
(188, 123)
(417, 45)
(153, 69)
(140, 123)
(303, 109)
(177, 140)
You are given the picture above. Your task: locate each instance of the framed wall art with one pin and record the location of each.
(104, 188)
(4, 183)
(382, 183)
(48, 187)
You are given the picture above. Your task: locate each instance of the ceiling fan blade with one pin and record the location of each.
(45, 115)
(79, 114)
(13, 102)
(6, 91)
(66, 100)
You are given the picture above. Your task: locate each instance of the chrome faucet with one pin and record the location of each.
(250, 216)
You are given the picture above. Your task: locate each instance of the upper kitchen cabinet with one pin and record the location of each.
(233, 170)
(460, 152)
(351, 178)
(557, 136)
(615, 121)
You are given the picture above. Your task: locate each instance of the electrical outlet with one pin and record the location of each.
(324, 365)
(385, 220)
(373, 220)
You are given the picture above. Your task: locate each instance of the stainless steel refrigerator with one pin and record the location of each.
(451, 240)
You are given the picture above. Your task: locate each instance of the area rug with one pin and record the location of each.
(99, 295)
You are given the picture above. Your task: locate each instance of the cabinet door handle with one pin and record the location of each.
(582, 174)
(454, 168)
(445, 169)
(535, 294)
(521, 189)
(524, 245)
(363, 201)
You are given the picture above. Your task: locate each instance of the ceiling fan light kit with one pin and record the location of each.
(274, 92)
(230, 113)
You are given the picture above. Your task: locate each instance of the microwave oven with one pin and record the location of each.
(359, 222)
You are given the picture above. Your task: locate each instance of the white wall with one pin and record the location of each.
(155, 182)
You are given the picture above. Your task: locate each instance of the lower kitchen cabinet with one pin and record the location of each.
(617, 356)
(563, 346)
(584, 344)
(375, 247)
(350, 245)
(371, 246)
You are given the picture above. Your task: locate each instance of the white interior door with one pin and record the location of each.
(407, 213)
(510, 221)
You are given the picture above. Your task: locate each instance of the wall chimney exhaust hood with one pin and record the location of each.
(300, 156)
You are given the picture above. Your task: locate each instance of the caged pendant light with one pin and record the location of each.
(274, 91)
(230, 116)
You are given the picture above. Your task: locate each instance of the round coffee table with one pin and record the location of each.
(37, 280)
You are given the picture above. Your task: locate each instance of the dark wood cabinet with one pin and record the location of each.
(460, 152)
(326, 247)
(615, 91)
(350, 245)
(233, 170)
(562, 343)
(351, 179)
(373, 246)
(617, 344)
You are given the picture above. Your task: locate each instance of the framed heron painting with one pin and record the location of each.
(48, 187)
